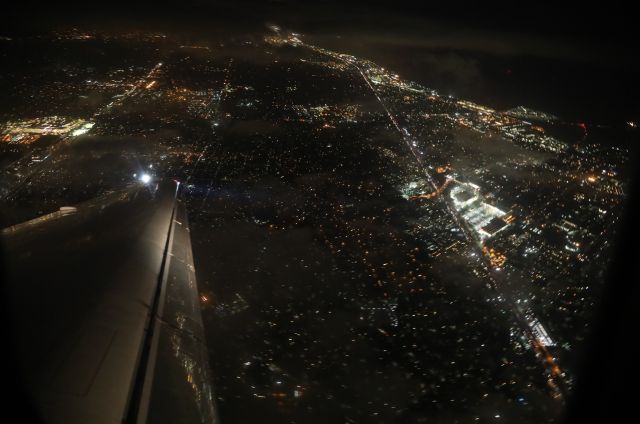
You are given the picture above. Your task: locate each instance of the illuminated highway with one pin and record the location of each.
(554, 373)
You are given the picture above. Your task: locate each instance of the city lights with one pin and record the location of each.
(351, 228)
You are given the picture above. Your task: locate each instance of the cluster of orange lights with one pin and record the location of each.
(279, 395)
(497, 259)
(433, 193)
(25, 139)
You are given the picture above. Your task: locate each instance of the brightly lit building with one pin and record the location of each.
(485, 219)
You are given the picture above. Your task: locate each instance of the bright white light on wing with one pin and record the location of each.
(145, 178)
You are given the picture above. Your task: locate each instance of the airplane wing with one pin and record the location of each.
(104, 309)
